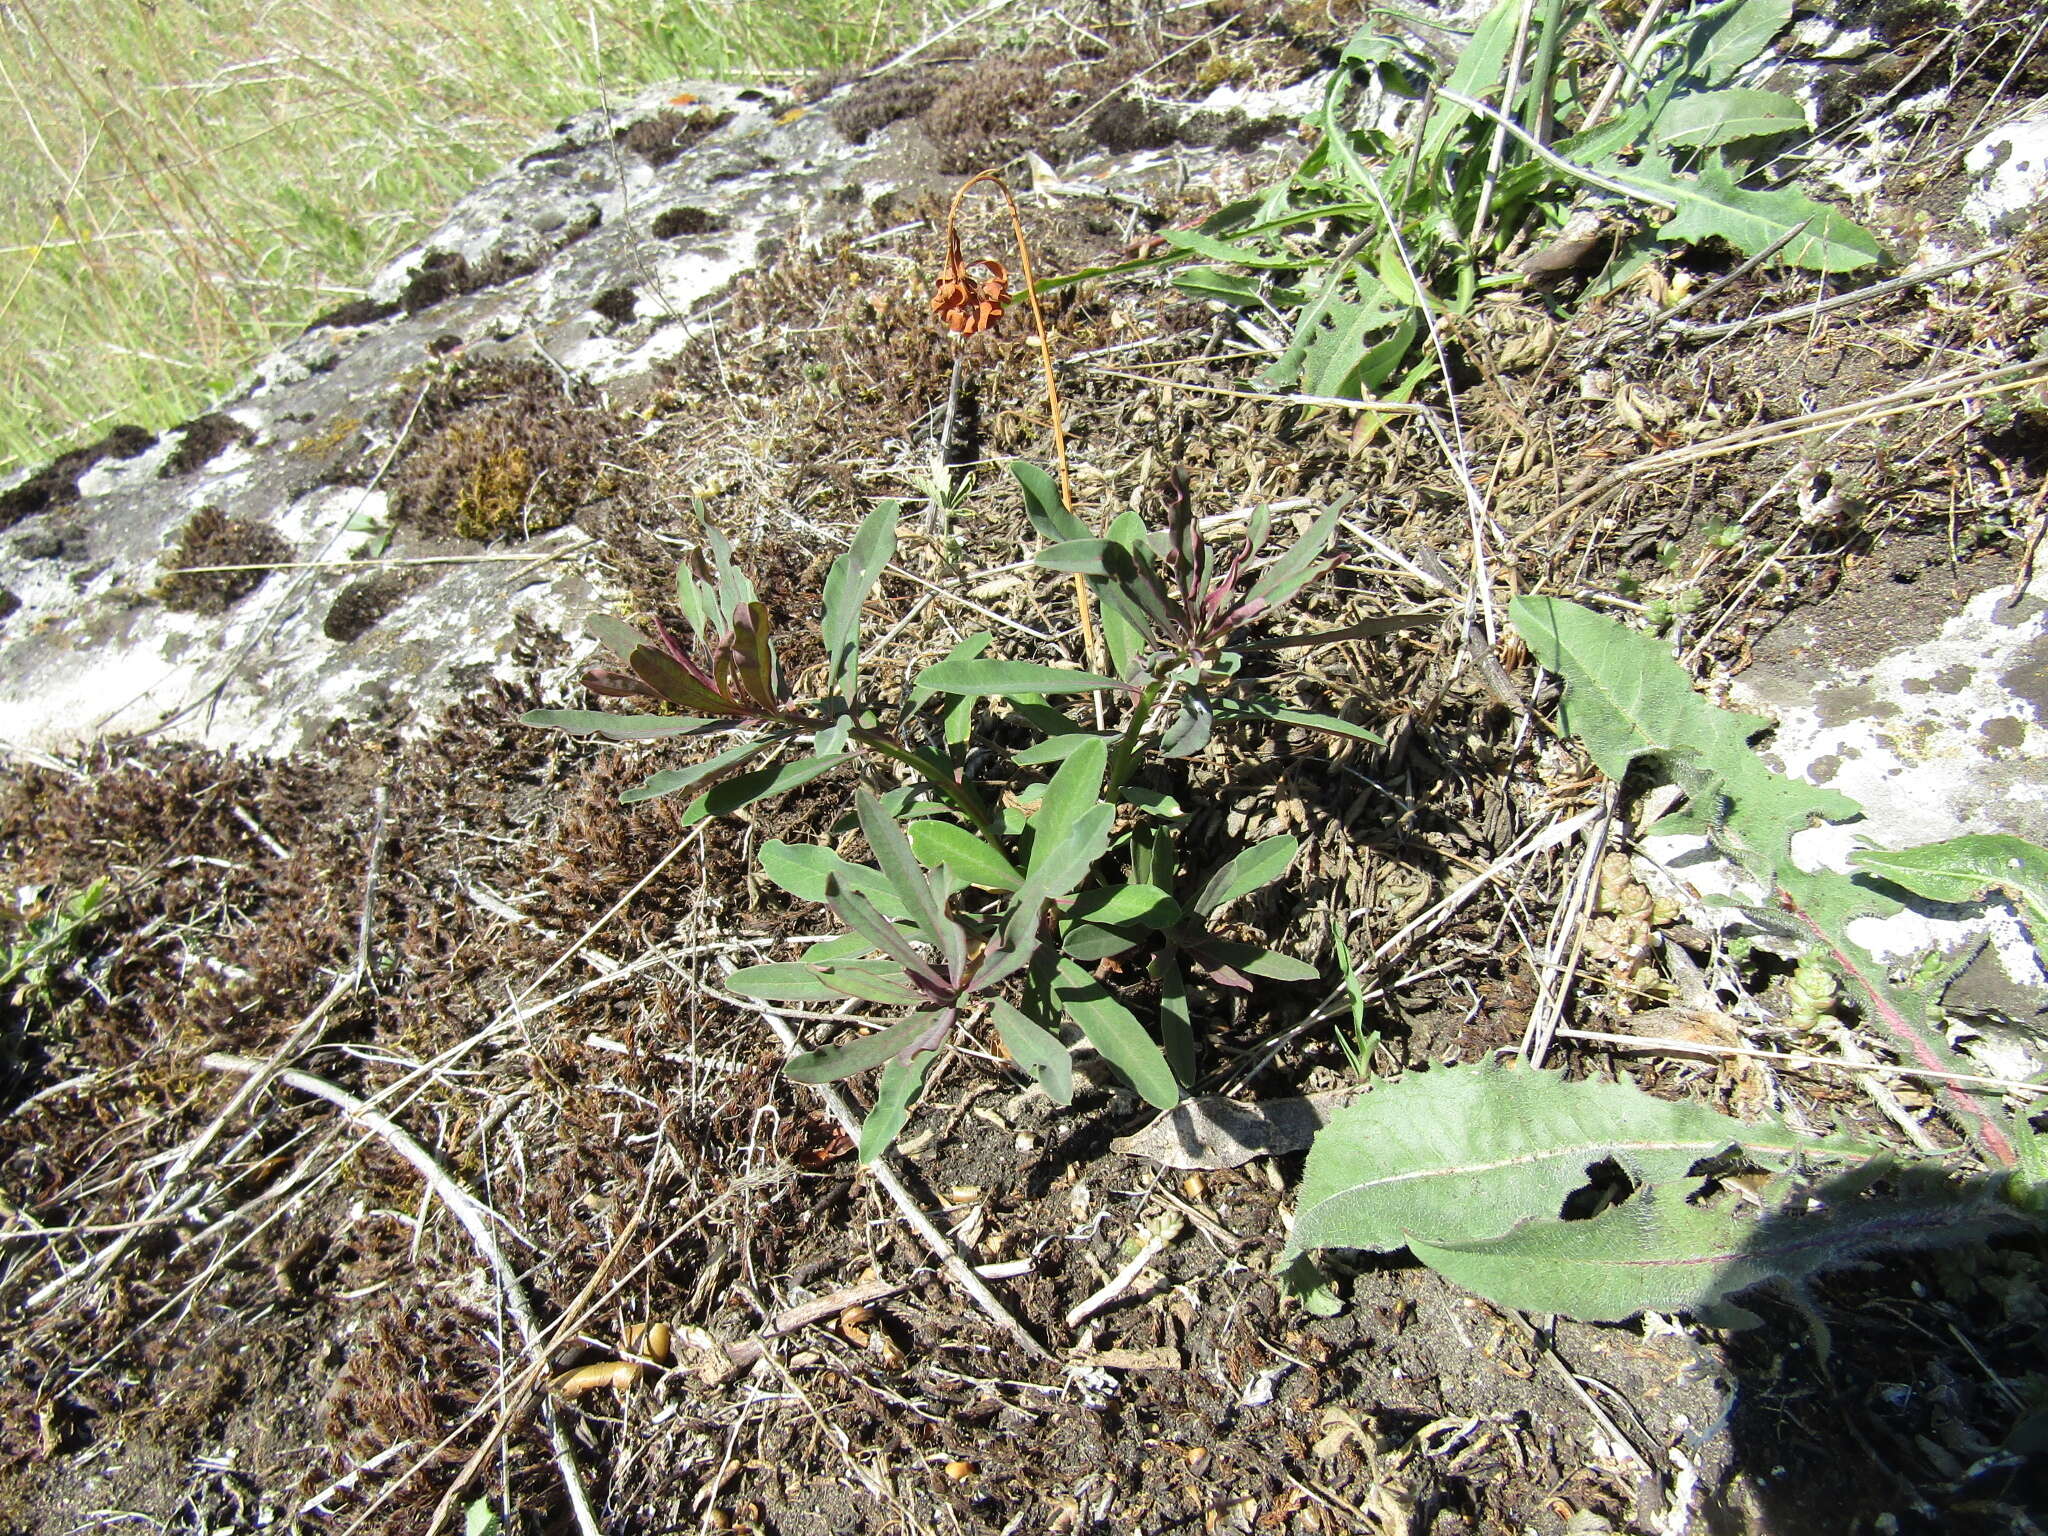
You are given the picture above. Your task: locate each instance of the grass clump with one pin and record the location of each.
(185, 187)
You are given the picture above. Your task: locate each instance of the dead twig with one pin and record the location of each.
(957, 1269)
(1890, 285)
(466, 1209)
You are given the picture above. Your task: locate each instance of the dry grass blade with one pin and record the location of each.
(957, 1268)
(466, 1209)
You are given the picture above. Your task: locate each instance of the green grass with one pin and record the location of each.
(183, 184)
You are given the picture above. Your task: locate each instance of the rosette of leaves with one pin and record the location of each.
(730, 686)
(1172, 607)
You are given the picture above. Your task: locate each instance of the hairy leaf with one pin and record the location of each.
(1964, 868)
(1722, 117)
(1460, 1154)
(1710, 205)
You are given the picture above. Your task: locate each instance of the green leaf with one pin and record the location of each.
(1719, 40)
(1252, 960)
(596, 722)
(1260, 864)
(1075, 787)
(1055, 749)
(1145, 905)
(1115, 1031)
(1231, 710)
(1708, 118)
(847, 584)
(1293, 570)
(1091, 557)
(1056, 868)
(976, 678)
(843, 1058)
(895, 858)
(1964, 868)
(1088, 942)
(968, 856)
(615, 635)
(861, 915)
(479, 1519)
(902, 1081)
(805, 870)
(1043, 506)
(737, 794)
(1176, 1017)
(1461, 1154)
(803, 981)
(1036, 1050)
(674, 780)
(1711, 206)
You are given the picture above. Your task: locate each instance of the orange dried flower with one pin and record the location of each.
(967, 306)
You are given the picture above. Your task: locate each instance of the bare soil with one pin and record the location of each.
(310, 1343)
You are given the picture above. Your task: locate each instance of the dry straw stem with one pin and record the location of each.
(1838, 301)
(475, 1219)
(1957, 387)
(1091, 645)
(302, 1038)
(1656, 1043)
(957, 1269)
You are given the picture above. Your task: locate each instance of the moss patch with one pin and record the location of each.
(501, 449)
(212, 538)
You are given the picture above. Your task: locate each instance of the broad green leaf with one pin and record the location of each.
(1054, 749)
(1711, 206)
(970, 857)
(1036, 1050)
(1658, 1251)
(596, 722)
(1115, 1031)
(674, 780)
(1720, 39)
(958, 723)
(1056, 868)
(1089, 942)
(1260, 864)
(843, 1058)
(895, 858)
(1708, 118)
(1090, 557)
(847, 585)
(1145, 905)
(1043, 505)
(977, 678)
(1075, 787)
(737, 794)
(902, 1081)
(1964, 868)
(806, 869)
(665, 675)
(1460, 1154)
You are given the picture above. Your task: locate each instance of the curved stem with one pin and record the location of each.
(1091, 643)
(941, 779)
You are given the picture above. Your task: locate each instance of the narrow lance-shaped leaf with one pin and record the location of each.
(674, 780)
(805, 869)
(980, 678)
(799, 981)
(847, 584)
(1965, 868)
(1288, 574)
(843, 1058)
(902, 1081)
(859, 914)
(896, 859)
(737, 794)
(1115, 1031)
(1043, 506)
(1073, 789)
(1036, 1050)
(596, 722)
(1260, 864)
